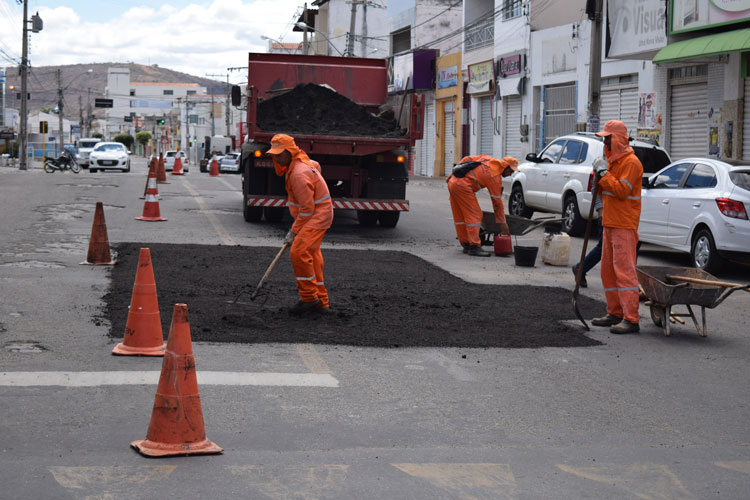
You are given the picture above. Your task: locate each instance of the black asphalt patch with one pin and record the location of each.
(380, 299)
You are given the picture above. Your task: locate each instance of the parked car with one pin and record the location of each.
(205, 164)
(230, 163)
(85, 146)
(169, 158)
(109, 156)
(560, 178)
(699, 206)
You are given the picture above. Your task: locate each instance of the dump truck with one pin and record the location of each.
(365, 171)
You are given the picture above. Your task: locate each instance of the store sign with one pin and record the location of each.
(448, 77)
(481, 77)
(403, 68)
(636, 27)
(507, 66)
(689, 15)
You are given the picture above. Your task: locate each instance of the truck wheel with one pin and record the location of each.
(388, 219)
(518, 204)
(367, 218)
(573, 223)
(252, 214)
(273, 214)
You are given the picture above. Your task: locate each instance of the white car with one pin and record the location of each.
(699, 206)
(169, 158)
(560, 178)
(109, 156)
(85, 146)
(230, 163)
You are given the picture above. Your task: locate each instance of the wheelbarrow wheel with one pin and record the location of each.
(657, 316)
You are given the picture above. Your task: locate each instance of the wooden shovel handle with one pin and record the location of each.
(699, 281)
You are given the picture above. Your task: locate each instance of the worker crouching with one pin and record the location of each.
(312, 210)
(472, 174)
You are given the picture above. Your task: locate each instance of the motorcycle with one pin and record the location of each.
(65, 161)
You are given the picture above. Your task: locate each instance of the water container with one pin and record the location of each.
(556, 249)
(503, 245)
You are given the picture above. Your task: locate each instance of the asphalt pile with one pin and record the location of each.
(311, 109)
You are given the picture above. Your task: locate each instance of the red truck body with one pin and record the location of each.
(367, 174)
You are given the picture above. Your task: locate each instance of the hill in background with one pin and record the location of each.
(76, 84)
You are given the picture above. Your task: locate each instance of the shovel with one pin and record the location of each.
(266, 275)
(594, 192)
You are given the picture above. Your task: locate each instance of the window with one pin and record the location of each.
(511, 9)
(552, 152)
(740, 179)
(672, 176)
(132, 92)
(571, 153)
(401, 41)
(168, 92)
(702, 176)
(191, 92)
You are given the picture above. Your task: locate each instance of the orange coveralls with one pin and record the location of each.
(621, 198)
(312, 209)
(467, 216)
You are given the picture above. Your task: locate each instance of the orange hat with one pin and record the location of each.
(281, 142)
(613, 127)
(512, 162)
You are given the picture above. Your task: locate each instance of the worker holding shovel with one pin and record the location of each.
(469, 176)
(312, 210)
(620, 185)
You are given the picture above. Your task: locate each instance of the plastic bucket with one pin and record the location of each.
(525, 256)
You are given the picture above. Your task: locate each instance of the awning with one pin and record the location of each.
(710, 45)
(509, 86)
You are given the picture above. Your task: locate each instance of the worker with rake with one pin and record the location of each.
(469, 176)
(312, 210)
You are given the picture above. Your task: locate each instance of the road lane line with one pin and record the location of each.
(218, 227)
(95, 379)
(312, 359)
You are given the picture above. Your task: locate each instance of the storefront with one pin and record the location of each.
(482, 89)
(447, 129)
(511, 83)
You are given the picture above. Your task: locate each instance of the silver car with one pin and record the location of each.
(109, 156)
(698, 206)
(230, 163)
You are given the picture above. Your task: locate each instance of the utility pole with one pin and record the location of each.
(305, 42)
(80, 113)
(88, 113)
(228, 117)
(213, 126)
(60, 108)
(595, 67)
(350, 36)
(24, 89)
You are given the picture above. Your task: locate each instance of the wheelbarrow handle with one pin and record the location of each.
(699, 281)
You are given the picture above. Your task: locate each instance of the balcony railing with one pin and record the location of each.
(480, 35)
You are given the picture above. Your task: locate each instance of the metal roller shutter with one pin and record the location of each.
(559, 111)
(689, 121)
(620, 104)
(449, 135)
(512, 126)
(427, 144)
(746, 123)
(486, 126)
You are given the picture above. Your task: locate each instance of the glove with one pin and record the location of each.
(289, 238)
(600, 166)
(504, 229)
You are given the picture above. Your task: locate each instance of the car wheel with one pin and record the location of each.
(518, 204)
(703, 253)
(92, 170)
(127, 169)
(367, 218)
(573, 223)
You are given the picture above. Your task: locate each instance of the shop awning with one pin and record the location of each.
(709, 45)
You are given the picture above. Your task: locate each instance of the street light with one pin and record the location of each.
(304, 26)
(264, 37)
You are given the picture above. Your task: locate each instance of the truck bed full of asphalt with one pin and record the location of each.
(311, 109)
(380, 299)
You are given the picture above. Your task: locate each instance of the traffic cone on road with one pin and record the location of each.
(143, 335)
(98, 253)
(214, 170)
(176, 426)
(177, 169)
(151, 168)
(161, 171)
(151, 205)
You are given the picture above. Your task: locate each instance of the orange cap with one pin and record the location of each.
(281, 142)
(613, 127)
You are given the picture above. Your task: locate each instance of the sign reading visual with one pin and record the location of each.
(689, 15)
(636, 27)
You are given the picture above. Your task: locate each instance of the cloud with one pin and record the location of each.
(198, 39)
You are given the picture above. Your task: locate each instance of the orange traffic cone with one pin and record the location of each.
(151, 167)
(176, 426)
(177, 169)
(161, 171)
(98, 254)
(143, 336)
(151, 205)
(214, 170)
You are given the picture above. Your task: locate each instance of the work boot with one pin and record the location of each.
(477, 251)
(625, 326)
(608, 320)
(325, 311)
(302, 308)
(466, 247)
(583, 277)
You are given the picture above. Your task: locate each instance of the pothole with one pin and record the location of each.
(24, 346)
(33, 264)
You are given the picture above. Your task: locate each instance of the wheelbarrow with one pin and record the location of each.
(668, 286)
(518, 226)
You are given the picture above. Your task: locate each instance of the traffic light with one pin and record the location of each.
(42, 127)
(162, 121)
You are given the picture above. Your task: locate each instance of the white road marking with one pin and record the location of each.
(95, 379)
(218, 227)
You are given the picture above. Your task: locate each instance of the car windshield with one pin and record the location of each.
(88, 144)
(651, 158)
(170, 154)
(110, 147)
(741, 179)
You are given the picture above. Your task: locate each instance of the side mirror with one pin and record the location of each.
(532, 157)
(645, 184)
(129, 152)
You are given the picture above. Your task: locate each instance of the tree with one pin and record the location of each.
(97, 135)
(143, 137)
(125, 139)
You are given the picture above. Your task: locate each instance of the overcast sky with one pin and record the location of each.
(198, 37)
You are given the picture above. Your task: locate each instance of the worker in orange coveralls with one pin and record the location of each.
(312, 209)
(470, 175)
(620, 186)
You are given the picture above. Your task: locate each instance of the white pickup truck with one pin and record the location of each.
(85, 145)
